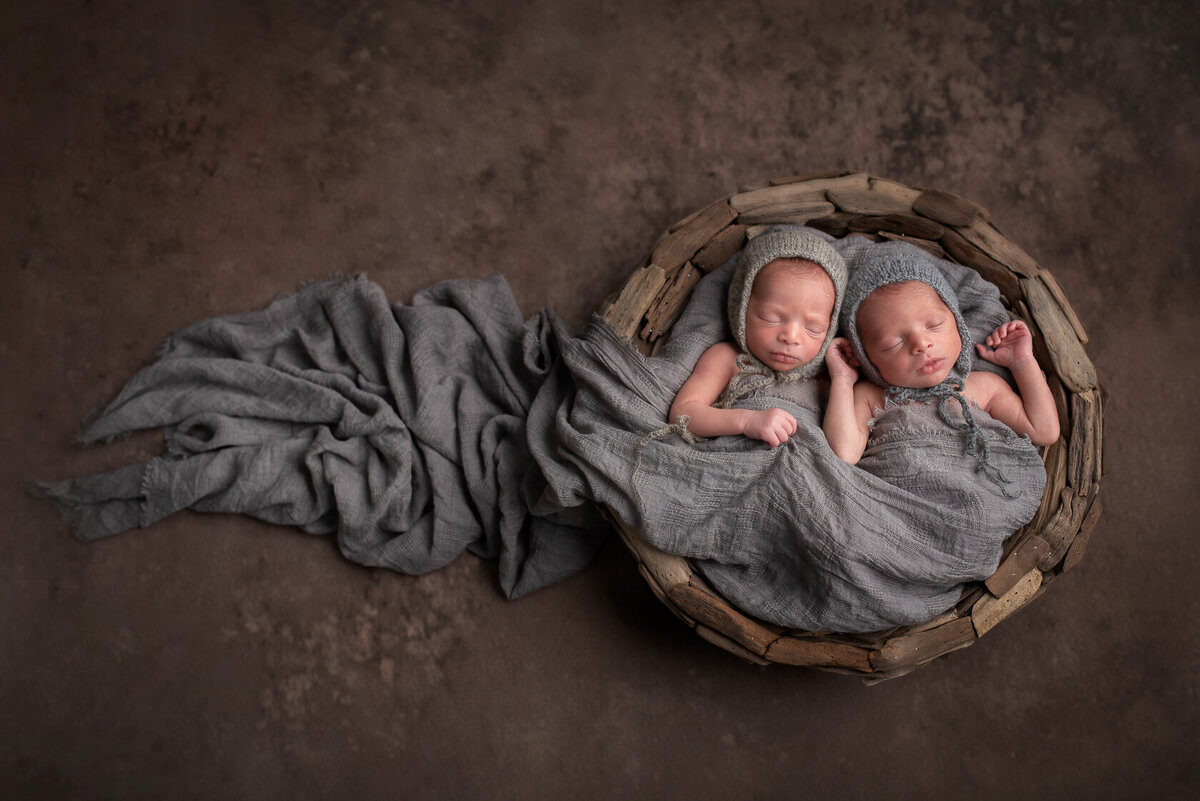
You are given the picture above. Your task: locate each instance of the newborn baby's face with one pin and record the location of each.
(909, 334)
(787, 317)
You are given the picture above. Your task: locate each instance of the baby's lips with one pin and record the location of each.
(931, 366)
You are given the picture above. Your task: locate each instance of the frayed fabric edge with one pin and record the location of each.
(69, 512)
(72, 510)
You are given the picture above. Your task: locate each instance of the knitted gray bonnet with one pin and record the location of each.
(882, 263)
(784, 242)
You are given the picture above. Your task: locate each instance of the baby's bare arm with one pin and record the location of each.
(712, 374)
(1031, 411)
(844, 425)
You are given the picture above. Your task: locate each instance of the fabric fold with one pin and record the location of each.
(401, 429)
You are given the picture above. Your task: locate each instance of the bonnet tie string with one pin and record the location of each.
(679, 427)
(752, 375)
(977, 444)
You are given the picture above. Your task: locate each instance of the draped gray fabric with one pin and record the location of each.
(416, 432)
(399, 428)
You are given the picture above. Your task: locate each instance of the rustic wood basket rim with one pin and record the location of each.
(843, 203)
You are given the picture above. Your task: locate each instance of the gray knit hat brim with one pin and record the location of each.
(786, 242)
(892, 262)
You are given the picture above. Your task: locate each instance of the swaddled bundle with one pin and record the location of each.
(793, 535)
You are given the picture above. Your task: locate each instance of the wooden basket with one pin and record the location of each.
(950, 227)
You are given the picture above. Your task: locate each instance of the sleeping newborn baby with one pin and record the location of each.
(783, 308)
(903, 329)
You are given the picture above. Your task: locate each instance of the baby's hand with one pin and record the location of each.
(1009, 344)
(772, 426)
(840, 361)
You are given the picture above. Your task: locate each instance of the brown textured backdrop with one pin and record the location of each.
(164, 162)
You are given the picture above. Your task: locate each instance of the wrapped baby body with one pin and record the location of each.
(792, 534)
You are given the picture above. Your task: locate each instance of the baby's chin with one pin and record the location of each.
(781, 366)
(918, 381)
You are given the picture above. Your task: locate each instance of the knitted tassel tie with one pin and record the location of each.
(752, 376)
(679, 427)
(977, 444)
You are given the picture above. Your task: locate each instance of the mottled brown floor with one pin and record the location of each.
(160, 166)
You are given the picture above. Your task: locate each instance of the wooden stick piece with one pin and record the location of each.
(837, 224)
(1081, 453)
(917, 649)
(1056, 482)
(880, 197)
(790, 213)
(625, 314)
(791, 650)
(1018, 563)
(674, 250)
(714, 612)
(948, 208)
(990, 610)
(720, 248)
(1080, 543)
(721, 641)
(984, 236)
(1066, 351)
(667, 569)
(964, 252)
(670, 303)
(794, 194)
(1060, 298)
(1061, 529)
(907, 224)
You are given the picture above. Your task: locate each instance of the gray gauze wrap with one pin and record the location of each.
(415, 432)
(399, 429)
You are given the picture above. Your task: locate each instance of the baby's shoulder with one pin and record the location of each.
(724, 349)
(868, 391)
(868, 399)
(981, 387)
(719, 358)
